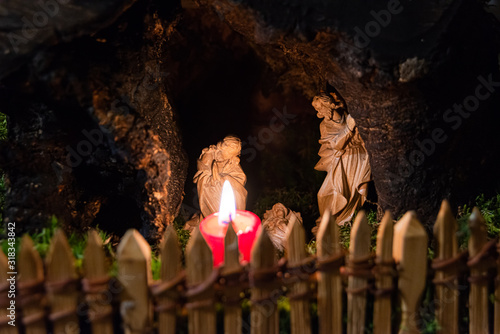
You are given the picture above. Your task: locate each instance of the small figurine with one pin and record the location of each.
(343, 157)
(216, 165)
(276, 224)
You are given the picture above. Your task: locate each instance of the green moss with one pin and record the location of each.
(182, 234)
(42, 239)
(3, 127)
(155, 266)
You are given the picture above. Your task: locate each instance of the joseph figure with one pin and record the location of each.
(344, 157)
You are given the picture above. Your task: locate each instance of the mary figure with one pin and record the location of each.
(217, 164)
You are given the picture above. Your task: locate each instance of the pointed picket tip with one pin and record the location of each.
(169, 246)
(199, 260)
(60, 260)
(197, 243)
(170, 254)
(445, 230)
(295, 228)
(59, 243)
(328, 236)
(26, 243)
(384, 238)
(95, 263)
(408, 227)
(478, 232)
(295, 241)
(30, 265)
(133, 247)
(170, 235)
(476, 220)
(445, 218)
(263, 252)
(93, 239)
(231, 250)
(360, 236)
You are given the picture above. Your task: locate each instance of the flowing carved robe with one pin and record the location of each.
(345, 159)
(212, 172)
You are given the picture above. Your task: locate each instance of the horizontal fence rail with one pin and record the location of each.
(355, 291)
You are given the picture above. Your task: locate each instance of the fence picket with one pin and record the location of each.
(4, 299)
(200, 277)
(61, 285)
(95, 285)
(231, 271)
(265, 290)
(446, 282)
(170, 276)
(479, 262)
(300, 317)
(30, 287)
(403, 245)
(330, 256)
(384, 276)
(410, 254)
(357, 269)
(134, 274)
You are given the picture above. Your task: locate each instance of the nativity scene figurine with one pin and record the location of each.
(216, 164)
(343, 156)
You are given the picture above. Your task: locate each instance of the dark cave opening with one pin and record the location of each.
(223, 88)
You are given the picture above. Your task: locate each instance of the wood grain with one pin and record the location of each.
(330, 281)
(410, 254)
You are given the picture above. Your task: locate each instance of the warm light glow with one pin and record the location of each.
(227, 208)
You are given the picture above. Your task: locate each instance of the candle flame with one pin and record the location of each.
(227, 208)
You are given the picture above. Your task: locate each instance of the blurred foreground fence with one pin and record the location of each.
(384, 290)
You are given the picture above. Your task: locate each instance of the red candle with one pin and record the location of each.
(214, 227)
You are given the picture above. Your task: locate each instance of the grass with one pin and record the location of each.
(42, 239)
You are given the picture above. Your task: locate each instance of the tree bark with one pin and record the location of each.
(92, 135)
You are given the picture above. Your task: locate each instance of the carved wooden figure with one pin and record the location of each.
(343, 157)
(276, 223)
(216, 165)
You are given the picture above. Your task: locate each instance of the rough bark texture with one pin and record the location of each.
(92, 135)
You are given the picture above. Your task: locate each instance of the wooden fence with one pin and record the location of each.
(58, 300)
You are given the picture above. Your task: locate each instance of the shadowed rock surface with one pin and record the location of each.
(92, 135)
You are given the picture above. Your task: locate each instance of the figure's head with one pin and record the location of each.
(326, 104)
(230, 147)
(279, 210)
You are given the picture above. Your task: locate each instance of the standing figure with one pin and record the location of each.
(217, 164)
(344, 157)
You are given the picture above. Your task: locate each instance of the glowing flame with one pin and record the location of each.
(227, 208)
